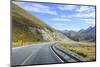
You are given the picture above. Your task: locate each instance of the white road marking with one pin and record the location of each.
(57, 55)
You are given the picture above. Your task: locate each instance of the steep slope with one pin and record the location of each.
(28, 28)
(72, 35)
(88, 34)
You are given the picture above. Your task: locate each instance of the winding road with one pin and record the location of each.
(35, 54)
(43, 53)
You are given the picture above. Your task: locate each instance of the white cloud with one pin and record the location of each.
(84, 12)
(35, 7)
(59, 24)
(82, 8)
(63, 16)
(86, 15)
(83, 15)
(87, 18)
(67, 7)
(85, 9)
(40, 6)
(90, 21)
(61, 19)
(42, 9)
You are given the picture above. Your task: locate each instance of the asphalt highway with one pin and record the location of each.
(35, 54)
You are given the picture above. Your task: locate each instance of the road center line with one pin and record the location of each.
(27, 58)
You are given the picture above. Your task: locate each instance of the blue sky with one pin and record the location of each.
(60, 16)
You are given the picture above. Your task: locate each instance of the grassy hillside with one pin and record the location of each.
(84, 49)
(27, 28)
(25, 25)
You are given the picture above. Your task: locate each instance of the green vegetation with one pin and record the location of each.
(84, 49)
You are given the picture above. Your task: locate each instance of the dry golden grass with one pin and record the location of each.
(20, 44)
(84, 49)
(17, 44)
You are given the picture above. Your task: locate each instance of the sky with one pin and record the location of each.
(62, 16)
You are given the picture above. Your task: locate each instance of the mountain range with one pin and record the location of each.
(88, 34)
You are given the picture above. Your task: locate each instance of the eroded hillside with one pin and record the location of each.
(28, 28)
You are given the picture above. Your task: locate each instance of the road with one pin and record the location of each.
(34, 54)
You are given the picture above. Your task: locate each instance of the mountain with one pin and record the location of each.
(82, 35)
(28, 28)
(88, 34)
(72, 35)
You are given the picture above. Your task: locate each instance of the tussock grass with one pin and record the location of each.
(17, 44)
(22, 21)
(84, 49)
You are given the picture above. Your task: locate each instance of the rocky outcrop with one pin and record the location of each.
(29, 28)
